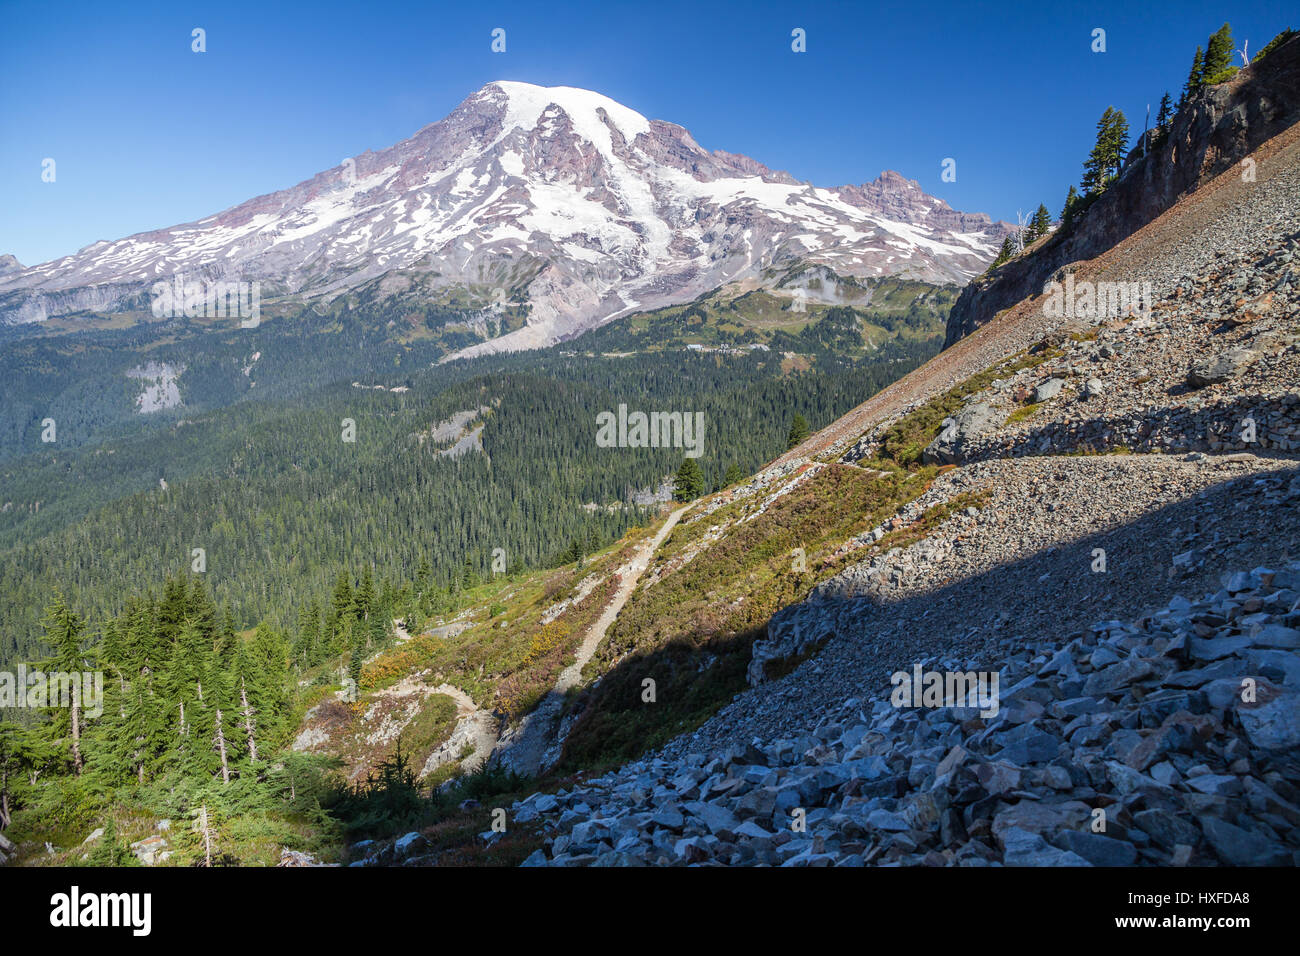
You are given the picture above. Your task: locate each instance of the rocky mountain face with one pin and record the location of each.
(556, 199)
(1220, 127)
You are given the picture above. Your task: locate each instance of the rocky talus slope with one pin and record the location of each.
(1166, 740)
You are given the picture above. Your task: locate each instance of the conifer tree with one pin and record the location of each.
(343, 602)
(219, 742)
(1040, 225)
(268, 687)
(1071, 204)
(377, 629)
(63, 630)
(18, 753)
(1284, 37)
(365, 595)
(109, 851)
(1107, 156)
(689, 483)
(246, 712)
(1195, 78)
(140, 735)
(305, 646)
(1006, 253)
(1218, 56)
(355, 662)
(798, 431)
(733, 476)
(1165, 112)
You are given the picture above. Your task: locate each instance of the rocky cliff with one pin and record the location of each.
(1218, 128)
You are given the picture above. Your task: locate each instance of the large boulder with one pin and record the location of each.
(1220, 368)
(958, 431)
(1048, 389)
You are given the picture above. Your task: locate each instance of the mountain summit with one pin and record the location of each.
(558, 200)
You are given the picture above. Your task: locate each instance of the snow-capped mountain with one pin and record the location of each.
(576, 204)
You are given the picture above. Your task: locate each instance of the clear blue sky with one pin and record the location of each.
(147, 134)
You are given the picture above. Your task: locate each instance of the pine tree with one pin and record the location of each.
(1070, 207)
(18, 754)
(733, 476)
(268, 693)
(365, 594)
(228, 641)
(1107, 156)
(1117, 142)
(306, 646)
(203, 842)
(1165, 113)
(1006, 254)
(355, 662)
(377, 629)
(798, 431)
(142, 732)
(109, 851)
(201, 609)
(1039, 226)
(1218, 56)
(689, 484)
(219, 742)
(1284, 37)
(172, 608)
(1195, 78)
(246, 712)
(342, 603)
(63, 630)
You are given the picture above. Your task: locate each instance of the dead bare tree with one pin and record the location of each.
(220, 741)
(4, 798)
(1022, 221)
(201, 824)
(76, 733)
(248, 720)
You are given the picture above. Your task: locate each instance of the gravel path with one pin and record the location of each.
(534, 743)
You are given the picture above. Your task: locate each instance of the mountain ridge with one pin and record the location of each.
(559, 200)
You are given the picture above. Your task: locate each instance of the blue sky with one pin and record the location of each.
(146, 133)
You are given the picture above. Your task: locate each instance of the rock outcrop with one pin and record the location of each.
(1219, 127)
